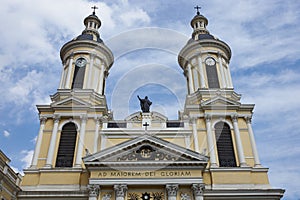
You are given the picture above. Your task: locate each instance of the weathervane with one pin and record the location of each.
(94, 8)
(198, 8)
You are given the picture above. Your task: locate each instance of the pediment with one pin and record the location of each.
(146, 150)
(71, 102)
(220, 101)
(155, 116)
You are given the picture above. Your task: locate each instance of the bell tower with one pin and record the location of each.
(70, 124)
(86, 60)
(205, 59)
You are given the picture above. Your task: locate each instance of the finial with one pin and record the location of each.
(94, 8)
(198, 8)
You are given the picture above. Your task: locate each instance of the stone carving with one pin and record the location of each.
(120, 190)
(106, 197)
(93, 190)
(133, 196)
(172, 189)
(147, 152)
(185, 196)
(158, 196)
(198, 189)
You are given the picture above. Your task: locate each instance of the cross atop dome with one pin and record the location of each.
(94, 9)
(198, 8)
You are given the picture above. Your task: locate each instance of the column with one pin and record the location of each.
(210, 142)
(90, 70)
(195, 134)
(201, 72)
(96, 137)
(38, 143)
(68, 81)
(196, 77)
(238, 141)
(198, 189)
(101, 80)
(52, 143)
(229, 77)
(80, 142)
(93, 190)
(190, 76)
(253, 143)
(222, 70)
(120, 191)
(172, 191)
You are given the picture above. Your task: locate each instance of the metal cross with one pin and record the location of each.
(146, 124)
(198, 8)
(94, 8)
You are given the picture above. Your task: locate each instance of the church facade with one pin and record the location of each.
(82, 152)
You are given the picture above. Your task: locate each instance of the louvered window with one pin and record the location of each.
(224, 145)
(212, 76)
(66, 147)
(78, 77)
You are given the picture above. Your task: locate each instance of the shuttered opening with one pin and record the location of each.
(78, 77)
(65, 154)
(224, 145)
(212, 76)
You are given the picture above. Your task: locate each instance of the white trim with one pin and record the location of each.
(68, 121)
(221, 120)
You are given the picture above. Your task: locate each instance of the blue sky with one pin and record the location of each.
(263, 35)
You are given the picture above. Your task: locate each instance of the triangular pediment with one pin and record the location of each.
(71, 102)
(146, 150)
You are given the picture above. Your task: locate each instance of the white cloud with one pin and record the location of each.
(6, 133)
(27, 157)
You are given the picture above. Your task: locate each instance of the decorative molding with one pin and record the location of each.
(198, 189)
(172, 189)
(106, 196)
(120, 190)
(93, 190)
(185, 196)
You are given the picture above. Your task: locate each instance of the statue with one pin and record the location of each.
(145, 104)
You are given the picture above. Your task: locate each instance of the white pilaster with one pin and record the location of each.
(210, 142)
(196, 77)
(80, 142)
(195, 134)
(222, 71)
(120, 191)
(238, 140)
(198, 189)
(190, 78)
(253, 143)
(68, 81)
(37, 149)
(51, 149)
(101, 79)
(229, 77)
(96, 136)
(201, 72)
(172, 191)
(93, 190)
(90, 70)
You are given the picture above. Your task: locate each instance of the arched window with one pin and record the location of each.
(211, 72)
(224, 145)
(66, 147)
(78, 77)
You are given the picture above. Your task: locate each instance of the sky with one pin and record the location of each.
(145, 38)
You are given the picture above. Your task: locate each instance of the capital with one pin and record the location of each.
(207, 117)
(198, 188)
(234, 118)
(172, 189)
(43, 120)
(56, 118)
(248, 119)
(93, 190)
(120, 190)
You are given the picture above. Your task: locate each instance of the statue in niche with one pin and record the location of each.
(145, 104)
